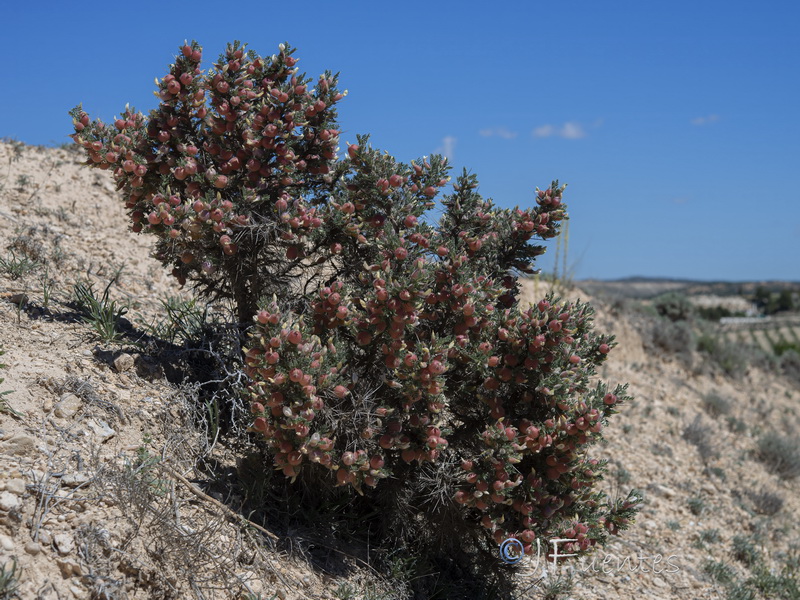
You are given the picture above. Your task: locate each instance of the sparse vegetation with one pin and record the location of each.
(700, 436)
(9, 580)
(715, 405)
(766, 502)
(697, 505)
(102, 313)
(780, 454)
(17, 266)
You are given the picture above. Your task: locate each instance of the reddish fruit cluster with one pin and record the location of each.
(222, 157)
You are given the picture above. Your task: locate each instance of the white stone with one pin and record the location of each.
(9, 502)
(16, 486)
(33, 548)
(101, 430)
(67, 406)
(64, 543)
(73, 480)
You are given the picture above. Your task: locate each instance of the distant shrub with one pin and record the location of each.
(789, 363)
(674, 306)
(734, 359)
(697, 505)
(782, 346)
(765, 502)
(700, 436)
(745, 551)
(719, 572)
(676, 338)
(780, 454)
(715, 405)
(715, 313)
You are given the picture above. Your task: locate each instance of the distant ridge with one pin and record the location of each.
(649, 287)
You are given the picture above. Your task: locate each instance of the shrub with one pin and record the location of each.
(745, 551)
(673, 337)
(700, 436)
(781, 454)
(674, 306)
(715, 405)
(393, 358)
(765, 502)
(789, 363)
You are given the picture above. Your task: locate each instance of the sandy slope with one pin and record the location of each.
(74, 462)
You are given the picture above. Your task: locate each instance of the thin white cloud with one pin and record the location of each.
(704, 120)
(447, 149)
(500, 132)
(570, 130)
(680, 200)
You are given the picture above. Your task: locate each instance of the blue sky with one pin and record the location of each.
(675, 124)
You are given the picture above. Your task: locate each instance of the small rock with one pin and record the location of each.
(6, 543)
(9, 502)
(68, 567)
(63, 543)
(18, 299)
(67, 406)
(16, 486)
(87, 353)
(19, 445)
(47, 405)
(662, 490)
(124, 362)
(101, 430)
(709, 488)
(45, 538)
(73, 480)
(33, 548)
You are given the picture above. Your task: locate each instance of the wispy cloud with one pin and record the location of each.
(680, 200)
(570, 130)
(704, 120)
(500, 132)
(447, 149)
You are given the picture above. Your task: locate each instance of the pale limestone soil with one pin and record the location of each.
(65, 514)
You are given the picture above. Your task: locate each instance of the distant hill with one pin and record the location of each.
(649, 287)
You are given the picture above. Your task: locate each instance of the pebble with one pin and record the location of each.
(47, 405)
(6, 543)
(101, 430)
(9, 502)
(68, 567)
(18, 299)
(124, 362)
(19, 445)
(33, 548)
(45, 537)
(67, 406)
(63, 543)
(73, 480)
(16, 486)
(663, 490)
